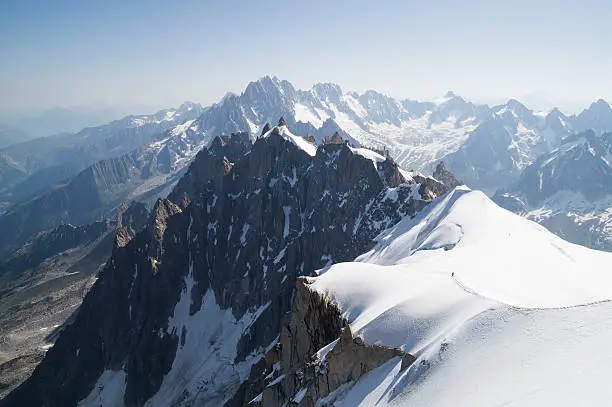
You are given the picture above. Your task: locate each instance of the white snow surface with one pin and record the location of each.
(497, 310)
(108, 390)
(369, 154)
(203, 371)
(304, 114)
(306, 146)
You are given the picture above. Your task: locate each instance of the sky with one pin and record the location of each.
(159, 53)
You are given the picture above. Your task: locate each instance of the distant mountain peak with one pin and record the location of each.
(598, 117)
(599, 106)
(556, 112)
(188, 106)
(516, 104)
(600, 102)
(268, 84)
(327, 91)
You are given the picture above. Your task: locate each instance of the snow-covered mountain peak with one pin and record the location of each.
(188, 106)
(599, 109)
(600, 104)
(327, 92)
(558, 122)
(227, 96)
(185, 112)
(513, 109)
(270, 89)
(284, 132)
(597, 117)
(444, 98)
(518, 108)
(581, 164)
(457, 109)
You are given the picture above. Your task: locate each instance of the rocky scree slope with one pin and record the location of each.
(43, 283)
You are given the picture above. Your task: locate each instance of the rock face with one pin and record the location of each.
(317, 354)
(445, 176)
(184, 312)
(130, 218)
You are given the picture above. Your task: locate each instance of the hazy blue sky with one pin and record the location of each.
(66, 53)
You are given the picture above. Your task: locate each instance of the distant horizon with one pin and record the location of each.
(116, 53)
(536, 102)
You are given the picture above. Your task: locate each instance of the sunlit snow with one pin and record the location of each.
(496, 309)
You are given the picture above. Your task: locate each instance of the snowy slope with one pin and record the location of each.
(415, 134)
(471, 289)
(300, 142)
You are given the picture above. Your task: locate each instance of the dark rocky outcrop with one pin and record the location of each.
(445, 176)
(317, 354)
(266, 128)
(130, 219)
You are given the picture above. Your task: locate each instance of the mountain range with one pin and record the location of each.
(235, 239)
(231, 290)
(308, 275)
(62, 120)
(141, 157)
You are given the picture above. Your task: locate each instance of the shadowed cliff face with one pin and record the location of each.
(186, 308)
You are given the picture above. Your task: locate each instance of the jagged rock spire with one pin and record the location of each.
(445, 176)
(266, 128)
(282, 122)
(336, 138)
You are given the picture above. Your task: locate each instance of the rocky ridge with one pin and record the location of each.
(199, 294)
